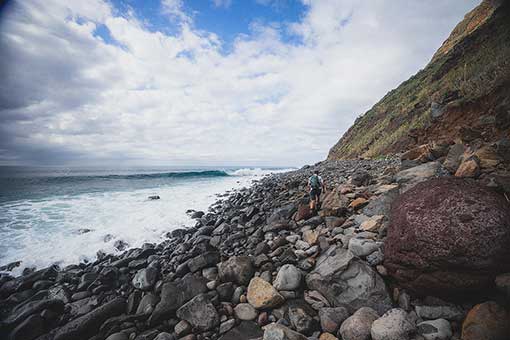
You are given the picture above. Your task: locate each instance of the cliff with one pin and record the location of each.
(466, 84)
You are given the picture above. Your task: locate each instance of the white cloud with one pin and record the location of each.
(154, 98)
(222, 3)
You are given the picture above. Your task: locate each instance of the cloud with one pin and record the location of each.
(68, 95)
(222, 3)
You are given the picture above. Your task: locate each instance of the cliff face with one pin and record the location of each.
(466, 84)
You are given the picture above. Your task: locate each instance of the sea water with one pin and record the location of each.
(65, 216)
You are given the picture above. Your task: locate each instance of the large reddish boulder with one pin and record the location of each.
(447, 236)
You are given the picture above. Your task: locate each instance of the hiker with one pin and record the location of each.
(316, 186)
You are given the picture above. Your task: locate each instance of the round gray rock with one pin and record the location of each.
(393, 325)
(288, 278)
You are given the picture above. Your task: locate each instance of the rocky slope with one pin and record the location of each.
(260, 265)
(466, 84)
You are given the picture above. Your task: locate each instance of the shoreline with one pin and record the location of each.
(256, 262)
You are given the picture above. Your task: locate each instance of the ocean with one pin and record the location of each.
(66, 215)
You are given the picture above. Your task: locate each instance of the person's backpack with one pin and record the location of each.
(314, 182)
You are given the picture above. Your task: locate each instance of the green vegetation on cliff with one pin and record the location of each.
(471, 71)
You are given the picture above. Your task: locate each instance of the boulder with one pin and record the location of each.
(331, 318)
(439, 329)
(245, 311)
(175, 294)
(448, 235)
(29, 329)
(207, 259)
(363, 247)
(262, 294)
(410, 177)
(486, 321)
(87, 325)
(200, 313)
(358, 325)
(247, 330)
(280, 332)
(288, 278)
(301, 316)
(454, 158)
(238, 269)
(303, 212)
(346, 281)
(334, 203)
(393, 325)
(469, 168)
(145, 278)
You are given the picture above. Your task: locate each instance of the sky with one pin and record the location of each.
(202, 82)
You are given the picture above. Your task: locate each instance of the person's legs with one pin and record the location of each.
(313, 199)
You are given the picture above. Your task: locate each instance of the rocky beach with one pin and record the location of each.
(409, 247)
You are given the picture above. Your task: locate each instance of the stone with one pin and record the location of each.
(21, 312)
(360, 178)
(334, 203)
(362, 247)
(147, 304)
(207, 259)
(87, 325)
(358, 203)
(454, 158)
(488, 157)
(439, 329)
(145, 278)
(347, 281)
(245, 311)
(327, 336)
(225, 291)
(174, 294)
(200, 313)
(238, 269)
(280, 332)
(164, 336)
(469, 168)
(227, 325)
(288, 278)
(486, 321)
(301, 316)
(118, 336)
(358, 325)
(393, 325)
(29, 329)
(310, 236)
(182, 328)
(437, 245)
(248, 330)
(373, 224)
(503, 283)
(331, 318)
(410, 177)
(262, 294)
(439, 312)
(303, 212)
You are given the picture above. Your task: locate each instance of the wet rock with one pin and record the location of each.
(21, 312)
(200, 313)
(245, 311)
(486, 321)
(393, 325)
(438, 329)
(437, 245)
(349, 282)
(288, 278)
(358, 325)
(262, 294)
(332, 318)
(87, 325)
(120, 245)
(238, 269)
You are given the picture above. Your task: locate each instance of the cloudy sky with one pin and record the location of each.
(202, 82)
